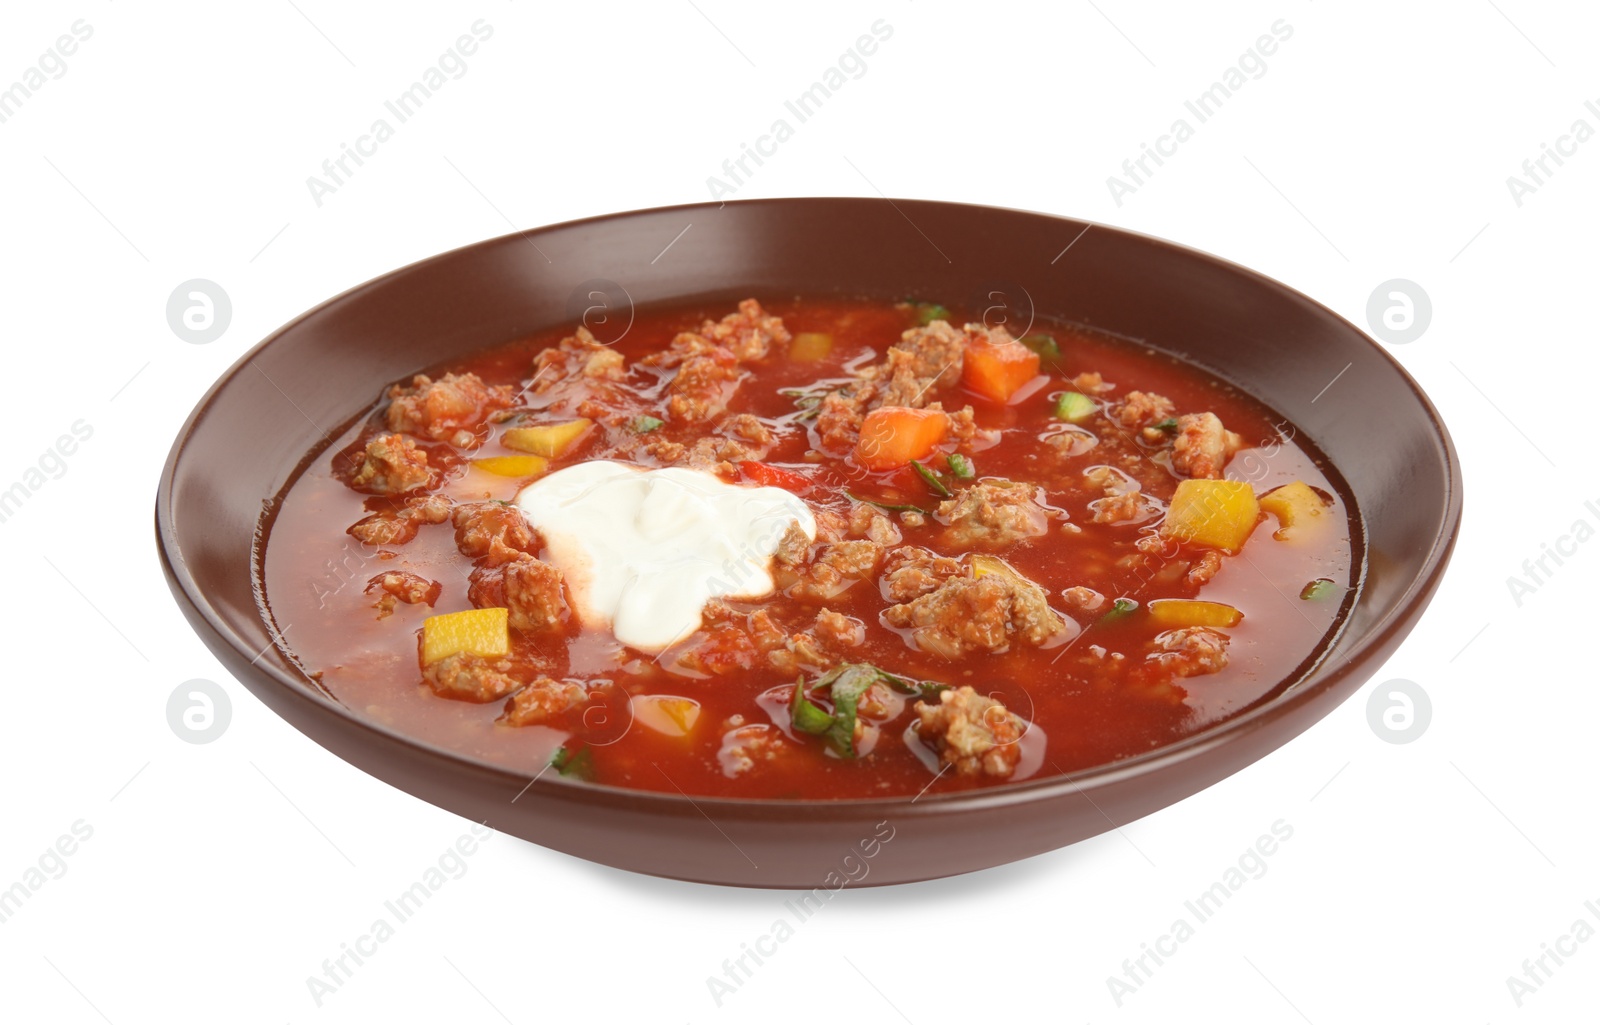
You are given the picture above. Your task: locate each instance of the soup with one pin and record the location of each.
(820, 548)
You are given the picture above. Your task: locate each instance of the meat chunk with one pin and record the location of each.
(993, 512)
(528, 589)
(1139, 410)
(576, 358)
(449, 409)
(935, 352)
(1204, 568)
(870, 522)
(1123, 501)
(912, 572)
(835, 567)
(738, 438)
(397, 526)
(495, 532)
(726, 647)
(391, 465)
(837, 630)
(542, 701)
(703, 385)
(467, 677)
(750, 333)
(1085, 599)
(747, 746)
(398, 586)
(1201, 446)
(973, 734)
(978, 614)
(1189, 651)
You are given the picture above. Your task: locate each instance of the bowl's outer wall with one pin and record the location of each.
(248, 436)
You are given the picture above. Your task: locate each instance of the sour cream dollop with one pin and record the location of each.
(642, 551)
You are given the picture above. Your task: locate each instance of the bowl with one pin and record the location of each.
(320, 371)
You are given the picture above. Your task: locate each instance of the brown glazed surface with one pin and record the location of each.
(1276, 344)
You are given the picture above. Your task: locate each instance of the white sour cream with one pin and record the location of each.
(642, 551)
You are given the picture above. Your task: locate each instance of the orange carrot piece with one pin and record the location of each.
(892, 436)
(997, 371)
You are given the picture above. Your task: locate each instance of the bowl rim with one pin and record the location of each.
(1313, 684)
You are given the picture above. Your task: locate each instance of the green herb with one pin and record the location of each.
(579, 765)
(845, 685)
(1319, 589)
(1169, 425)
(932, 480)
(645, 424)
(1122, 608)
(960, 466)
(927, 313)
(1074, 407)
(888, 507)
(1049, 352)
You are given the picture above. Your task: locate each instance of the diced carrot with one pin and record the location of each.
(997, 371)
(476, 631)
(892, 436)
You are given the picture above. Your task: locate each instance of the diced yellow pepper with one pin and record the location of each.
(671, 716)
(1181, 612)
(1299, 509)
(476, 632)
(1217, 513)
(513, 466)
(983, 565)
(547, 439)
(810, 346)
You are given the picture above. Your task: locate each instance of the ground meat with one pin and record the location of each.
(449, 409)
(838, 630)
(399, 586)
(1091, 383)
(1123, 502)
(528, 589)
(703, 385)
(839, 420)
(495, 532)
(993, 512)
(397, 526)
(978, 614)
(1141, 409)
(738, 438)
(792, 547)
(835, 567)
(973, 734)
(934, 353)
(1201, 446)
(576, 357)
(1190, 651)
(749, 334)
(1204, 568)
(746, 747)
(1085, 599)
(912, 572)
(471, 677)
(392, 464)
(874, 524)
(1068, 440)
(725, 648)
(542, 701)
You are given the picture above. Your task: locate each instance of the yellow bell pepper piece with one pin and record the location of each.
(513, 466)
(1217, 513)
(1299, 509)
(1182, 612)
(671, 716)
(481, 632)
(810, 346)
(548, 440)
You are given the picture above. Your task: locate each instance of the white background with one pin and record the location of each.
(1377, 145)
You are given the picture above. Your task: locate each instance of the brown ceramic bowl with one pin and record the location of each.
(252, 430)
